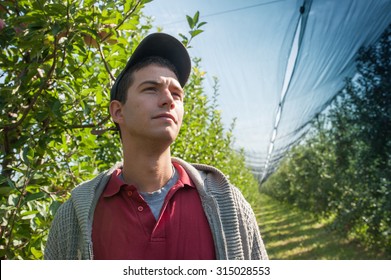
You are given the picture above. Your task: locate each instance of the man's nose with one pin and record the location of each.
(166, 98)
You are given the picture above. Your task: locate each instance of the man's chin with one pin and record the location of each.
(165, 138)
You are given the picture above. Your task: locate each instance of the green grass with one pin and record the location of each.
(289, 233)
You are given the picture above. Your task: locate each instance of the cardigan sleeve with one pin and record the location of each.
(63, 239)
(254, 248)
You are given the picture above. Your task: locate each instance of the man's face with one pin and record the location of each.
(154, 106)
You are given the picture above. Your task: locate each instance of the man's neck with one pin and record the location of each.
(147, 169)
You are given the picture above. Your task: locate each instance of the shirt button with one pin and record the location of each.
(140, 208)
(129, 193)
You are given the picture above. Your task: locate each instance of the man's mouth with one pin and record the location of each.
(166, 116)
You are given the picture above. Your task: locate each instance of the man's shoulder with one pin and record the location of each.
(198, 168)
(88, 183)
(94, 182)
(210, 178)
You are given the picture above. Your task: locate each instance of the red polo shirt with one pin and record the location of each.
(125, 228)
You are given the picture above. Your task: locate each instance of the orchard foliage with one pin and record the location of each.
(58, 61)
(343, 169)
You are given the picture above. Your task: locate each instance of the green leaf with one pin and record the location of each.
(190, 22)
(195, 32)
(201, 24)
(98, 97)
(128, 26)
(5, 190)
(34, 196)
(28, 215)
(11, 183)
(185, 40)
(27, 155)
(195, 18)
(36, 253)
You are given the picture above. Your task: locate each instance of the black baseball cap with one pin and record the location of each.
(161, 45)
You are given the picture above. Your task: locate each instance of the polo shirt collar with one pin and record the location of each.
(184, 178)
(116, 183)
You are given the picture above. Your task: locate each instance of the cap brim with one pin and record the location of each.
(161, 45)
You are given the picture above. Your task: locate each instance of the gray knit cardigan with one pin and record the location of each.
(231, 219)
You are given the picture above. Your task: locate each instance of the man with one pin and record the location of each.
(153, 206)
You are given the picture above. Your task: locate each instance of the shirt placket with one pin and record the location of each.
(141, 209)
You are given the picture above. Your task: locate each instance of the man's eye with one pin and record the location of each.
(151, 89)
(176, 95)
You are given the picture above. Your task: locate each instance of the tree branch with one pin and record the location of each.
(95, 131)
(105, 63)
(7, 151)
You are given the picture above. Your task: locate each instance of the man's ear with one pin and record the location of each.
(116, 111)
